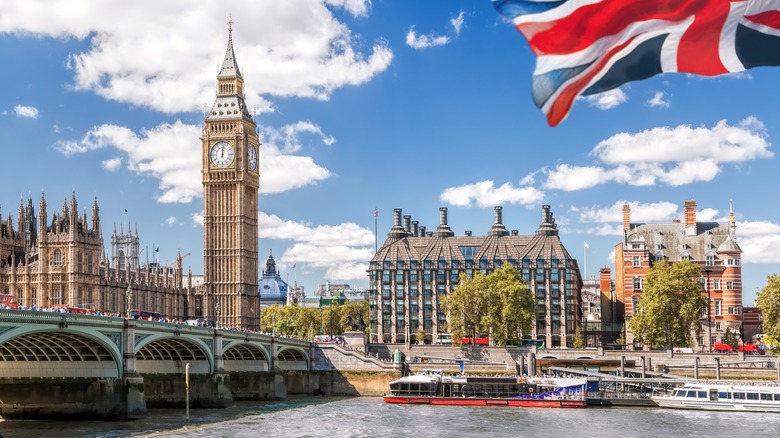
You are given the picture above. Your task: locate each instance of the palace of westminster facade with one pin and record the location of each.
(62, 261)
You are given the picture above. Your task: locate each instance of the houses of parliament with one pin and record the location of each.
(60, 259)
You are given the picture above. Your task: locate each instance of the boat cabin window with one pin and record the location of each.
(739, 395)
(766, 396)
(723, 394)
(777, 397)
(752, 396)
(694, 394)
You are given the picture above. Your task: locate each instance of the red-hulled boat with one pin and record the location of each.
(432, 387)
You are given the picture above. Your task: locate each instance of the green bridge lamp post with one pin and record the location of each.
(129, 296)
(707, 269)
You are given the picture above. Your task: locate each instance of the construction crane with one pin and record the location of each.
(170, 265)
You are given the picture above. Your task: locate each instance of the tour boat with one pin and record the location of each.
(433, 387)
(721, 396)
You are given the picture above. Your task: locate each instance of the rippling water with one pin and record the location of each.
(370, 417)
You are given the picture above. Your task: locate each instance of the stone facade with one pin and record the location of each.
(712, 245)
(414, 269)
(63, 263)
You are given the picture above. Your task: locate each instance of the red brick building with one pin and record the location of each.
(712, 245)
(751, 324)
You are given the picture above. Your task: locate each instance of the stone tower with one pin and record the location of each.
(231, 180)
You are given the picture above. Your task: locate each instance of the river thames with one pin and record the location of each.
(370, 417)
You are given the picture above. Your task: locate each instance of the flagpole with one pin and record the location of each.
(585, 259)
(376, 238)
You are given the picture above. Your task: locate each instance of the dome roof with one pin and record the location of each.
(729, 245)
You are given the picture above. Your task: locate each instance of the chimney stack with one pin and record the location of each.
(408, 224)
(444, 230)
(415, 228)
(397, 230)
(626, 217)
(690, 213)
(498, 228)
(690, 218)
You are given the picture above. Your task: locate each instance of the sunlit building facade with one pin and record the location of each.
(414, 269)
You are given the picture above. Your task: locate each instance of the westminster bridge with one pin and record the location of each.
(63, 365)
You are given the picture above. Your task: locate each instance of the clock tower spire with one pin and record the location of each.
(231, 181)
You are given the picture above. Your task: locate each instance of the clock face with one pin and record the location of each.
(221, 154)
(252, 157)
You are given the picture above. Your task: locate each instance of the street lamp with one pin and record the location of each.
(129, 296)
(217, 308)
(707, 269)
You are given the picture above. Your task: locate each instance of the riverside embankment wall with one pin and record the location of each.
(370, 372)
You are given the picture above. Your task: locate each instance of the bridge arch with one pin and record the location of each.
(64, 353)
(245, 357)
(292, 359)
(170, 354)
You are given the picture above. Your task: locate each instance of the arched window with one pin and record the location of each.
(635, 303)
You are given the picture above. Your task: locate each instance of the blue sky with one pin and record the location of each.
(362, 105)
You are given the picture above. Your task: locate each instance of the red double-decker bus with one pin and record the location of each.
(477, 341)
(8, 302)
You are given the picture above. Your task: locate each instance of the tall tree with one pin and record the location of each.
(498, 303)
(465, 306)
(768, 300)
(671, 307)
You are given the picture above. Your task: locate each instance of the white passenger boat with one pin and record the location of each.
(721, 396)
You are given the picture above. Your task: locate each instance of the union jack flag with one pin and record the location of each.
(586, 47)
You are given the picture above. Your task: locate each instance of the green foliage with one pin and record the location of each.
(498, 303)
(420, 335)
(768, 300)
(671, 307)
(579, 339)
(306, 322)
(731, 338)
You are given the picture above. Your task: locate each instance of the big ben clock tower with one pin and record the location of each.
(231, 180)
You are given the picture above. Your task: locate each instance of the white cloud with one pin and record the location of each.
(721, 144)
(484, 194)
(358, 8)
(339, 262)
(177, 166)
(655, 156)
(568, 178)
(112, 164)
(287, 138)
(342, 250)
(707, 215)
(424, 41)
(171, 221)
(29, 112)
(757, 228)
(761, 249)
(659, 99)
(350, 234)
(606, 100)
(197, 219)
(167, 60)
(640, 212)
(457, 23)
